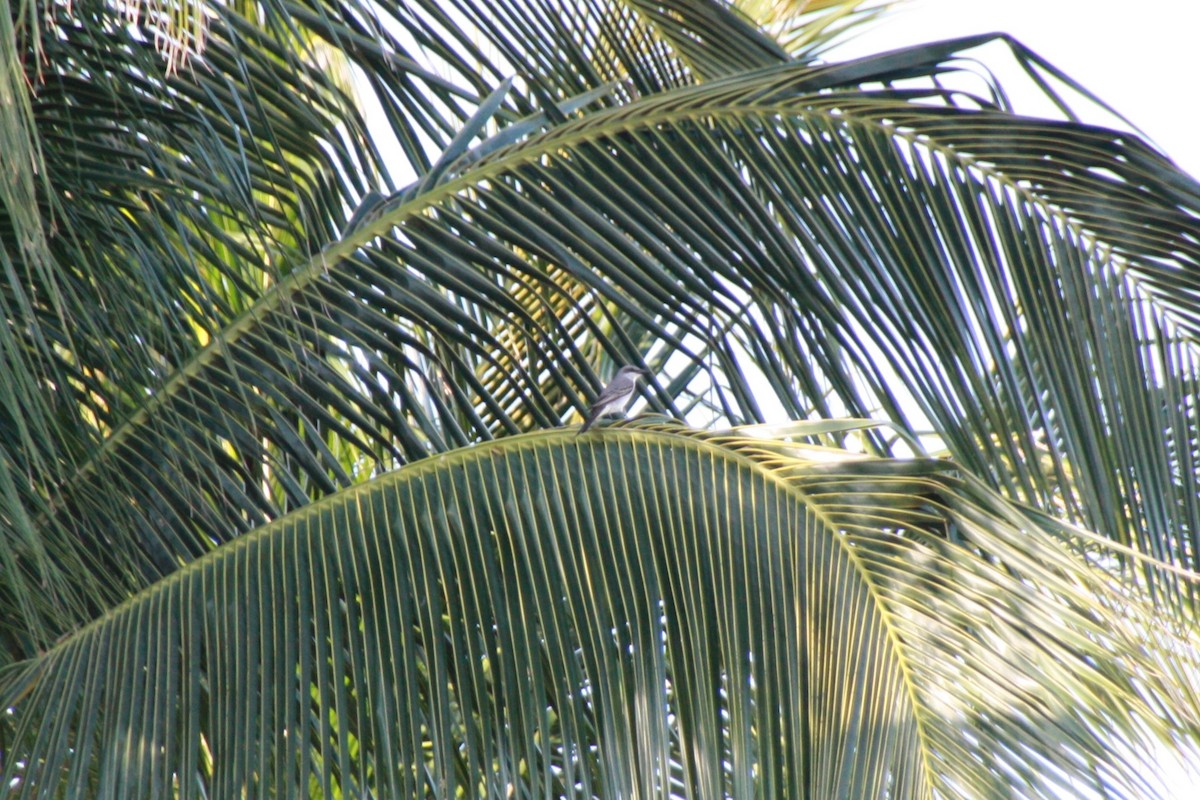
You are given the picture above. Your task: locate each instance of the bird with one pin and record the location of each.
(615, 396)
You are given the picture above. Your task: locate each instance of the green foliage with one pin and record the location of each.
(635, 610)
(205, 348)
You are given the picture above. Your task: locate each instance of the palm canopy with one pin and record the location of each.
(200, 342)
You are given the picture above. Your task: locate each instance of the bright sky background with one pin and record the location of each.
(1142, 58)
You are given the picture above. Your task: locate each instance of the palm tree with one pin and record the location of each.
(285, 505)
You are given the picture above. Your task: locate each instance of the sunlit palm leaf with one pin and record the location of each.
(807, 28)
(630, 612)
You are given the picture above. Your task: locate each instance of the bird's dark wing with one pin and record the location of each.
(611, 393)
(610, 396)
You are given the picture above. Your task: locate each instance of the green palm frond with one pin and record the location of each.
(779, 204)
(713, 38)
(871, 252)
(272, 519)
(174, 200)
(635, 611)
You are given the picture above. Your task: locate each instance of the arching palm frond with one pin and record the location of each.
(854, 243)
(635, 611)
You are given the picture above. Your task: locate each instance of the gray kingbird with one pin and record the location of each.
(615, 396)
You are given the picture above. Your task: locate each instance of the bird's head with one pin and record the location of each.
(633, 372)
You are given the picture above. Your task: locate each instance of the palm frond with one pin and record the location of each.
(637, 611)
(173, 200)
(870, 251)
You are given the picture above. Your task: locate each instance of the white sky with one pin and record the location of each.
(1142, 58)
